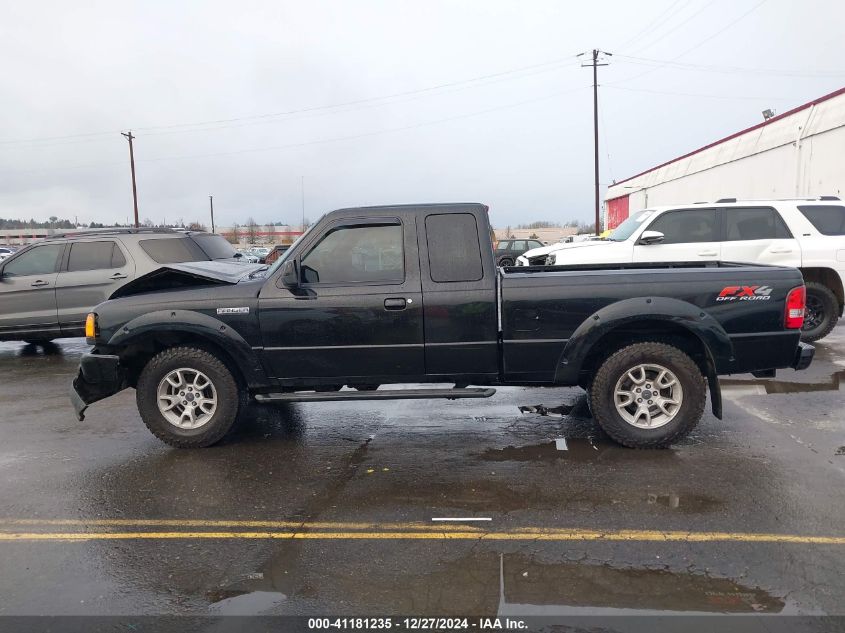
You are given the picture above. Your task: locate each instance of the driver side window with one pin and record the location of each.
(687, 226)
(41, 260)
(358, 253)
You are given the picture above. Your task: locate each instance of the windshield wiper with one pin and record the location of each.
(254, 273)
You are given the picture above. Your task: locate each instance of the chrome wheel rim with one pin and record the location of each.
(648, 396)
(187, 398)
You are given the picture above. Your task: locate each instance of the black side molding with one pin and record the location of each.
(386, 394)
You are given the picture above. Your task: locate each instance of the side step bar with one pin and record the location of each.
(387, 394)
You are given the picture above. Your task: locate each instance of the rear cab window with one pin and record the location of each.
(173, 250)
(454, 253)
(827, 219)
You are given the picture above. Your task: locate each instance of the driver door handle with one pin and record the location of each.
(39, 283)
(708, 254)
(118, 276)
(395, 304)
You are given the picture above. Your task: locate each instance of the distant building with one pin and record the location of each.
(544, 235)
(796, 154)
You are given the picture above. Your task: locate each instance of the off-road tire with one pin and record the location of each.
(230, 396)
(830, 308)
(604, 382)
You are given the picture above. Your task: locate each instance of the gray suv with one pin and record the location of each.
(48, 288)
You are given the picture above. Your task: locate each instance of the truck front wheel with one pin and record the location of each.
(187, 397)
(647, 395)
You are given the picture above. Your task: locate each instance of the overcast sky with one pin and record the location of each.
(381, 102)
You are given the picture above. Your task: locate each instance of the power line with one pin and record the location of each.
(659, 21)
(649, 61)
(727, 97)
(548, 66)
(326, 140)
(701, 43)
(675, 28)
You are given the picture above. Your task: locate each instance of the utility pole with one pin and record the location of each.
(211, 204)
(595, 64)
(129, 138)
(302, 189)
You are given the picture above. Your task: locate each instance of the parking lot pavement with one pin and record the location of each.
(328, 508)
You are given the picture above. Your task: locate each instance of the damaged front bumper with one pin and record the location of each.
(100, 376)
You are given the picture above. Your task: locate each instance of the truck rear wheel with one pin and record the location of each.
(822, 312)
(648, 395)
(187, 397)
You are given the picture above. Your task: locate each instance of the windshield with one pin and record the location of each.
(284, 255)
(629, 226)
(215, 246)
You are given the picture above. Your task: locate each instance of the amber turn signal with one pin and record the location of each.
(91, 325)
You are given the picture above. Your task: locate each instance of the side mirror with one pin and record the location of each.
(651, 237)
(238, 255)
(290, 274)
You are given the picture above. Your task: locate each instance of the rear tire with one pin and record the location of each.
(669, 403)
(506, 261)
(822, 312)
(212, 397)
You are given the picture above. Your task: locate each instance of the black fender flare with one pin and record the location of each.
(200, 325)
(716, 342)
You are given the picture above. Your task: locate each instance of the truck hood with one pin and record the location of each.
(188, 274)
(561, 247)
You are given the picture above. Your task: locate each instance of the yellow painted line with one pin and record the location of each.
(212, 523)
(538, 535)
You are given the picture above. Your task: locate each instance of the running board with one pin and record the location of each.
(387, 394)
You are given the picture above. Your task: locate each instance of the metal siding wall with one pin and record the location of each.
(800, 155)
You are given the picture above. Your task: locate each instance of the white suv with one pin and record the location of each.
(808, 234)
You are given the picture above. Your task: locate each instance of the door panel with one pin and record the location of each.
(94, 270)
(28, 290)
(758, 235)
(358, 311)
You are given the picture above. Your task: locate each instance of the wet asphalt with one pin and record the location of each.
(346, 476)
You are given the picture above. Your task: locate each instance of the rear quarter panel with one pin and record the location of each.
(540, 311)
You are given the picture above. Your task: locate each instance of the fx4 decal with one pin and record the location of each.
(745, 293)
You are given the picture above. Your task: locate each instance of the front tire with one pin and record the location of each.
(822, 312)
(505, 262)
(648, 395)
(187, 397)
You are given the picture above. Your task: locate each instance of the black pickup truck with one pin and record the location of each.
(411, 294)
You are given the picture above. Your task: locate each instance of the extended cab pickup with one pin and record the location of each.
(411, 294)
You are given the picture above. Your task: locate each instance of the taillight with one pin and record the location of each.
(796, 301)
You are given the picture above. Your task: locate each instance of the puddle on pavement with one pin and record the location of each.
(249, 603)
(763, 386)
(573, 449)
(491, 583)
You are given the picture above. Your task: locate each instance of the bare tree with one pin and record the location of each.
(251, 229)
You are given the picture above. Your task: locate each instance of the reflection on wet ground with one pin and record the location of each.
(493, 583)
(764, 386)
(537, 466)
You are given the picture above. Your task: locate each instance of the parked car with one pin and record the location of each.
(5, 252)
(276, 253)
(508, 250)
(260, 252)
(808, 234)
(47, 288)
(247, 256)
(412, 294)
